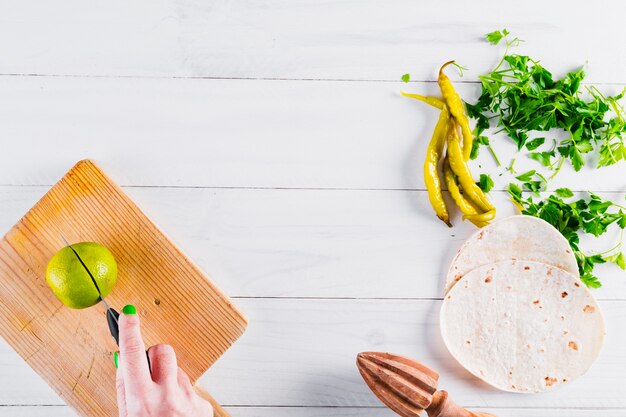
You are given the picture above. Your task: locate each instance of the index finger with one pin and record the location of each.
(133, 360)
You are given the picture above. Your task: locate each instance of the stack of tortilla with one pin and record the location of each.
(515, 312)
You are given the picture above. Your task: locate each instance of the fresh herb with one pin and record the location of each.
(592, 216)
(496, 36)
(520, 96)
(533, 181)
(482, 141)
(406, 78)
(526, 176)
(544, 158)
(535, 143)
(482, 123)
(564, 192)
(485, 183)
(511, 167)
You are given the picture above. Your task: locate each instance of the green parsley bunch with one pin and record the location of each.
(521, 96)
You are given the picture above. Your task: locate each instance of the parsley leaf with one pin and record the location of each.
(619, 260)
(577, 158)
(544, 158)
(564, 192)
(589, 279)
(622, 221)
(485, 183)
(406, 78)
(535, 143)
(496, 36)
(526, 176)
(478, 141)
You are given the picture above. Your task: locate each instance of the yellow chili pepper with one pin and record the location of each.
(433, 101)
(457, 109)
(443, 130)
(484, 217)
(467, 208)
(460, 168)
(431, 175)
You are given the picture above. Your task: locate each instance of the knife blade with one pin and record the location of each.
(112, 314)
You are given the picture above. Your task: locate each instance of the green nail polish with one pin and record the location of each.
(116, 357)
(129, 309)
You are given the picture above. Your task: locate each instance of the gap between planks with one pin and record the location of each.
(287, 297)
(253, 188)
(349, 80)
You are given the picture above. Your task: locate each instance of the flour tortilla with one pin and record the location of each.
(516, 237)
(522, 326)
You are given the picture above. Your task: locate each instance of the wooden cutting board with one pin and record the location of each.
(72, 349)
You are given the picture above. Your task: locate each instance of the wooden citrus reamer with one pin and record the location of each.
(408, 387)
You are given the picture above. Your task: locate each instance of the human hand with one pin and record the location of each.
(167, 392)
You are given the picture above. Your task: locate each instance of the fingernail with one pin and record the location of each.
(129, 309)
(116, 357)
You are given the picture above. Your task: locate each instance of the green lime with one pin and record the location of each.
(69, 280)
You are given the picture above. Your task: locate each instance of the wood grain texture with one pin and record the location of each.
(403, 384)
(315, 243)
(240, 133)
(301, 38)
(408, 387)
(72, 349)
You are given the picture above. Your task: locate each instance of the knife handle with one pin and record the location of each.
(112, 319)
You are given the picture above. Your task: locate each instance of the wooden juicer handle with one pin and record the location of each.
(443, 406)
(408, 387)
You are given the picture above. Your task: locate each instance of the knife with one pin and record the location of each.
(112, 314)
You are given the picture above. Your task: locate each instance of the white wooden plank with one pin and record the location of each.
(378, 412)
(37, 411)
(313, 243)
(234, 133)
(302, 353)
(63, 411)
(277, 243)
(300, 39)
(383, 412)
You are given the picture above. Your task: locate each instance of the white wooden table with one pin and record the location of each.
(268, 139)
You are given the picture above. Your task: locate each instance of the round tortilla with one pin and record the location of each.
(516, 237)
(522, 326)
